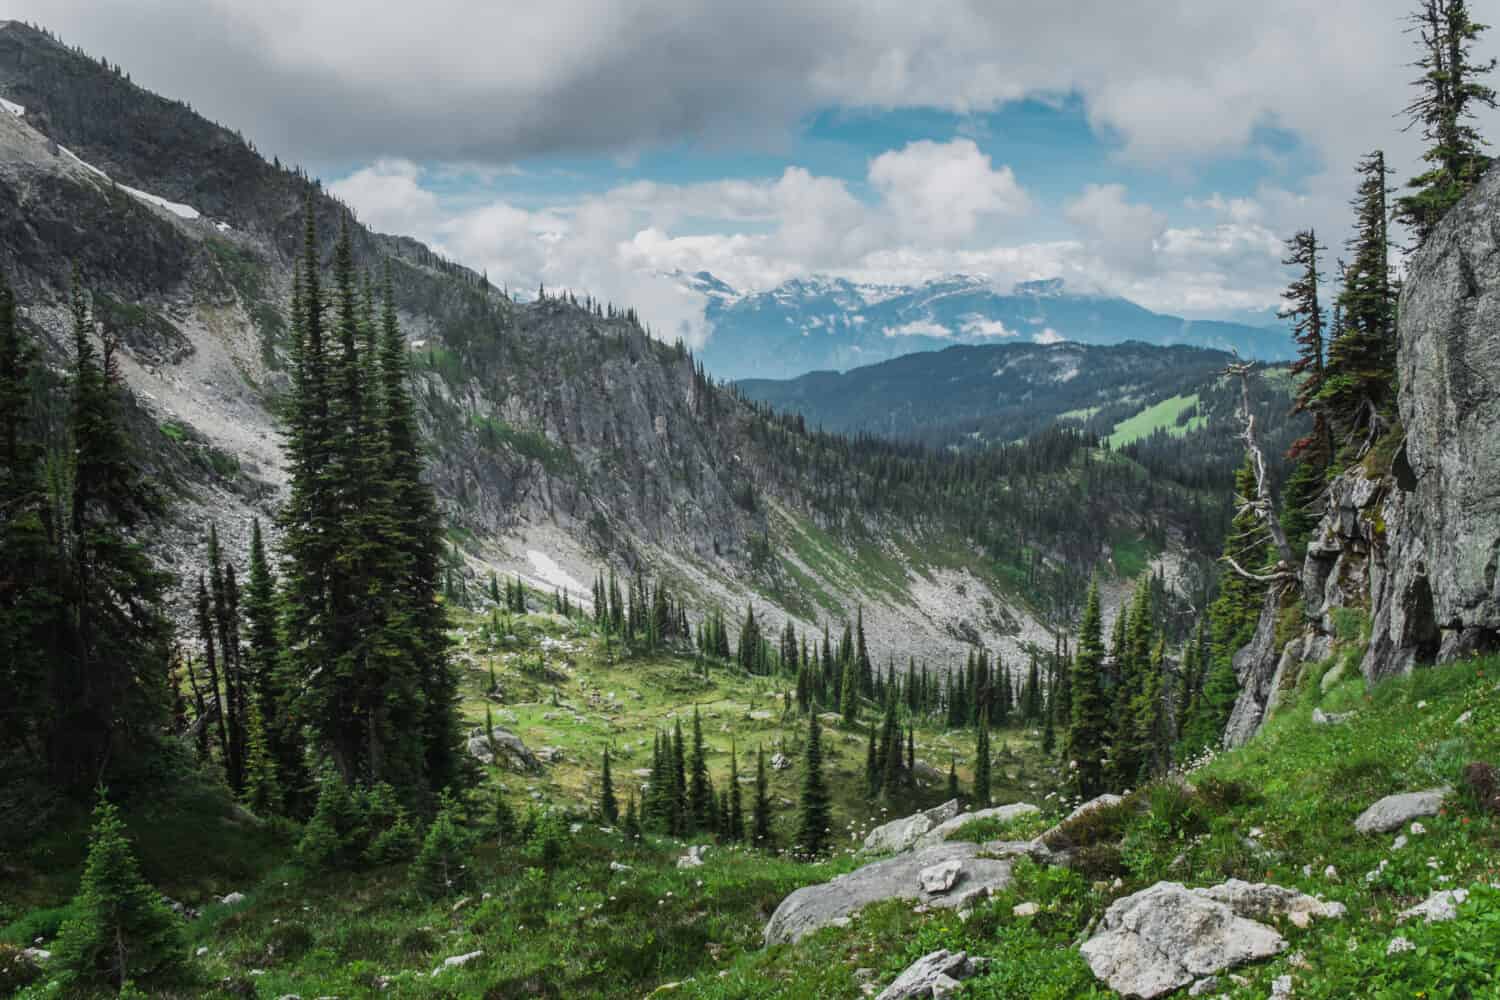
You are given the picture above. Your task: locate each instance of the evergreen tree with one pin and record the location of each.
(700, 791)
(609, 808)
(682, 813)
(1090, 708)
(814, 831)
(262, 789)
(872, 768)
(952, 777)
(109, 681)
(119, 929)
(1358, 389)
(1450, 91)
(849, 692)
(439, 868)
(760, 820)
(982, 763)
(736, 830)
(505, 819)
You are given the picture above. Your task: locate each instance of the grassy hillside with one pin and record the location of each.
(1166, 415)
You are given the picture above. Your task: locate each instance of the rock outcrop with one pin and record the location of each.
(901, 877)
(901, 834)
(937, 974)
(503, 747)
(1413, 544)
(1163, 938)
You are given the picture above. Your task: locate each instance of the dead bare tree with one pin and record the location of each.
(1262, 504)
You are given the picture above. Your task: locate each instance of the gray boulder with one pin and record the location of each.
(502, 747)
(1322, 718)
(901, 834)
(937, 974)
(1437, 908)
(940, 833)
(832, 903)
(1395, 811)
(1163, 938)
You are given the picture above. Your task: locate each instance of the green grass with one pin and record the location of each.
(577, 927)
(1160, 416)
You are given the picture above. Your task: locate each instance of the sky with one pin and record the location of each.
(1159, 149)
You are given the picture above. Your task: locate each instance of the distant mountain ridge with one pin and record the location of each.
(1013, 389)
(830, 323)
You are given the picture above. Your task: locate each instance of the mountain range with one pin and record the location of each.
(831, 323)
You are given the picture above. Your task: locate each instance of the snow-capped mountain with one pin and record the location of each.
(820, 323)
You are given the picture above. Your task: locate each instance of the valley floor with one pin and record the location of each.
(604, 917)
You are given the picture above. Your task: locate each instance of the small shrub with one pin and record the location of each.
(289, 941)
(396, 843)
(1102, 824)
(440, 867)
(1220, 795)
(1481, 786)
(418, 942)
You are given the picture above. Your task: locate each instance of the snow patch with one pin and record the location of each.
(176, 208)
(12, 107)
(1047, 336)
(547, 568)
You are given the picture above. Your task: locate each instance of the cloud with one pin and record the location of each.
(975, 325)
(918, 328)
(1047, 336)
(940, 192)
(1121, 231)
(353, 80)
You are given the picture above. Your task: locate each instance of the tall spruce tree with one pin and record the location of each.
(760, 819)
(1090, 709)
(982, 762)
(700, 790)
(814, 827)
(609, 806)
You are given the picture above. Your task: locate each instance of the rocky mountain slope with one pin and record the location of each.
(1407, 555)
(821, 323)
(561, 436)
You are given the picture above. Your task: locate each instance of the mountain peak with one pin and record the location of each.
(1045, 288)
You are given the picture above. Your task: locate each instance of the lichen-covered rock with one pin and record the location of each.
(1395, 811)
(937, 974)
(816, 906)
(901, 834)
(1163, 938)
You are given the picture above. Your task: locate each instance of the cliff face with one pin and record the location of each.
(1412, 542)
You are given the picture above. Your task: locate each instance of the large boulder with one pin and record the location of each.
(1395, 811)
(1440, 594)
(937, 974)
(901, 877)
(901, 834)
(942, 831)
(502, 747)
(1162, 938)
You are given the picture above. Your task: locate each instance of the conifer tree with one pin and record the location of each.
(849, 692)
(952, 777)
(609, 808)
(31, 595)
(700, 790)
(440, 868)
(872, 768)
(262, 789)
(1358, 389)
(982, 763)
(760, 820)
(1090, 710)
(682, 813)
(736, 830)
(110, 679)
(814, 824)
(1450, 91)
(119, 929)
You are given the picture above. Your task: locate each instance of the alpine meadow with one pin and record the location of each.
(670, 500)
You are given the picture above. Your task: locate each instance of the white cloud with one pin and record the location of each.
(1047, 336)
(918, 328)
(1122, 232)
(940, 192)
(975, 325)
